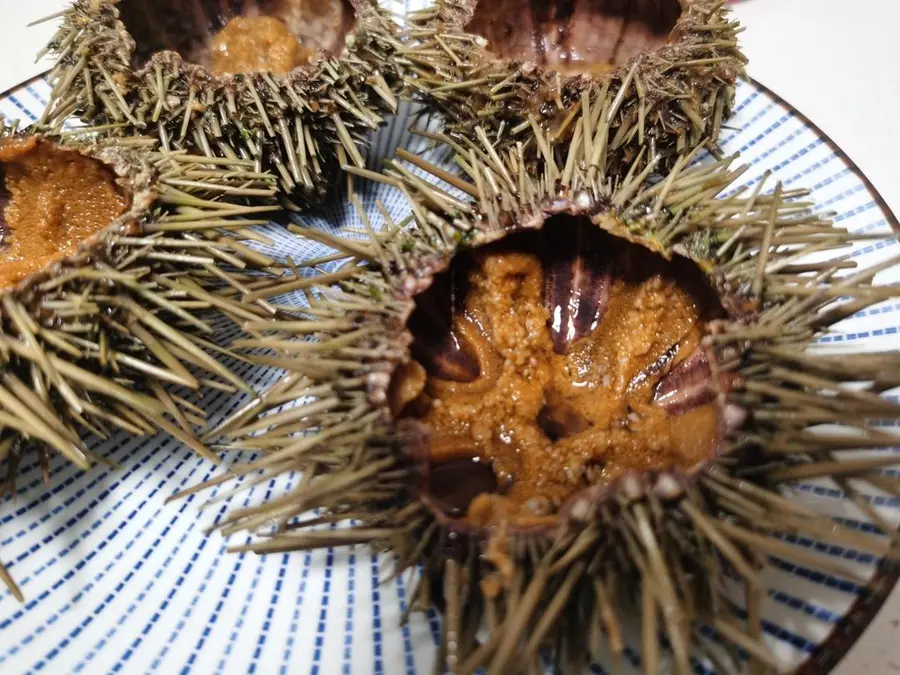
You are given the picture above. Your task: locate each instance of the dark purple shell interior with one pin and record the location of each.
(436, 344)
(574, 35)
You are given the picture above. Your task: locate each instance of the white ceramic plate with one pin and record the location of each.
(116, 580)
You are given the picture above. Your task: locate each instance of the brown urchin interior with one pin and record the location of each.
(574, 36)
(52, 200)
(238, 36)
(554, 360)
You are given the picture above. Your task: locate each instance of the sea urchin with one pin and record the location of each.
(111, 263)
(575, 399)
(660, 73)
(293, 85)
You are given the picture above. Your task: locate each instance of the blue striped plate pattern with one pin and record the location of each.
(116, 580)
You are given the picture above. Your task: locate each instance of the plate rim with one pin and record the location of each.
(863, 610)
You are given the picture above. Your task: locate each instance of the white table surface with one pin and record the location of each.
(833, 60)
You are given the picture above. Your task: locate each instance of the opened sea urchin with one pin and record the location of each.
(111, 263)
(660, 73)
(574, 400)
(294, 85)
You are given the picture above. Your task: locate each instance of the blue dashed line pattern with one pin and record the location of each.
(409, 658)
(117, 580)
(347, 655)
(319, 645)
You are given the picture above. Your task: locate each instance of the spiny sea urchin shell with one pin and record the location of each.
(112, 263)
(672, 546)
(319, 76)
(660, 74)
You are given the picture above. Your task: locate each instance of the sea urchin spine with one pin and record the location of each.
(112, 265)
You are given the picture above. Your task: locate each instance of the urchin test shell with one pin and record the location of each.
(119, 67)
(655, 549)
(668, 88)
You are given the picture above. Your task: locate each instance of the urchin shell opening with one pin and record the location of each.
(196, 30)
(55, 203)
(553, 363)
(574, 36)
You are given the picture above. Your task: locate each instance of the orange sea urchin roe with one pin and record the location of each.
(57, 199)
(257, 44)
(551, 424)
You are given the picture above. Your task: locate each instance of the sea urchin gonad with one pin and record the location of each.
(294, 85)
(113, 267)
(573, 400)
(554, 361)
(660, 73)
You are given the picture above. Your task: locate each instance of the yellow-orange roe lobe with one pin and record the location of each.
(553, 424)
(257, 44)
(57, 199)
